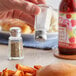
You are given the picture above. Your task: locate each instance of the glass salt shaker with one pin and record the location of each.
(15, 44)
(42, 23)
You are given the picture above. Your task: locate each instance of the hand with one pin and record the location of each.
(21, 9)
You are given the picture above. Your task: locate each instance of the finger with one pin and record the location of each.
(41, 2)
(37, 1)
(5, 5)
(33, 1)
(16, 13)
(23, 16)
(27, 18)
(25, 6)
(19, 15)
(9, 14)
(30, 8)
(3, 15)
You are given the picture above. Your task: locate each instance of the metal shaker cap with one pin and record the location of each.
(40, 35)
(15, 31)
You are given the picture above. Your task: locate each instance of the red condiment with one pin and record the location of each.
(67, 27)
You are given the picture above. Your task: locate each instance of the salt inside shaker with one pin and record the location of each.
(15, 44)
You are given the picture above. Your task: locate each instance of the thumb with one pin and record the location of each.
(22, 5)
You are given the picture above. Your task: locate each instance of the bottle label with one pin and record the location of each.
(67, 30)
(74, 3)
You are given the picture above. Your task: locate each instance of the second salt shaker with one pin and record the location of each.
(15, 44)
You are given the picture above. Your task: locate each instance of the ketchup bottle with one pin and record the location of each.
(67, 27)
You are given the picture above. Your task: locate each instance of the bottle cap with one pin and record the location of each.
(15, 31)
(41, 35)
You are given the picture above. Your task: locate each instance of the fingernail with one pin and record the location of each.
(35, 10)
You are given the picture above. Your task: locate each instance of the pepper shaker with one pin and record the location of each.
(15, 44)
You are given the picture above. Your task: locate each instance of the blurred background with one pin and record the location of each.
(54, 3)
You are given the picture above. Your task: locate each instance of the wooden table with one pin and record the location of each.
(31, 57)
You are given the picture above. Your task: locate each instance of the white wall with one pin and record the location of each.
(54, 3)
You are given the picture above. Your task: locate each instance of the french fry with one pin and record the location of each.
(18, 73)
(5, 72)
(28, 74)
(21, 71)
(37, 67)
(10, 72)
(34, 73)
(25, 68)
(0, 73)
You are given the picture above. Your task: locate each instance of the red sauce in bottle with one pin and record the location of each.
(67, 27)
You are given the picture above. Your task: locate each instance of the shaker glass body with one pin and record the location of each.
(15, 48)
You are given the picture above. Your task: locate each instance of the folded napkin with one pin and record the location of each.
(29, 41)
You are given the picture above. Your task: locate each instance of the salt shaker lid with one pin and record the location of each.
(40, 35)
(15, 31)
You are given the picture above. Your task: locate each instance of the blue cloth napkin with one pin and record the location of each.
(29, 41)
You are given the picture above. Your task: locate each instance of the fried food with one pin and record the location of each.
(7, 24)
(21, 71)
